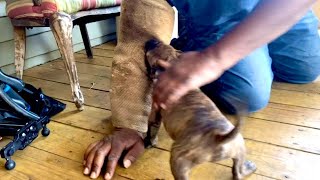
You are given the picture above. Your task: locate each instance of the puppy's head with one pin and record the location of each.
(158, 57)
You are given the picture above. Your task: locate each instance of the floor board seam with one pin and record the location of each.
(96, 55)
(31, 145)
(268, 120)
(78, 127)
(282, 146)
(104, 48)
(295, 106)
(82, 87)
(53, 67)
(291, 90)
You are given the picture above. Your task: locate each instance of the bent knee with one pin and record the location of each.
(298, 73)
(251, 98)
(303, 78)
(257, 99)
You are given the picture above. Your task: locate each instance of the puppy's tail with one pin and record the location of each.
(235, 131)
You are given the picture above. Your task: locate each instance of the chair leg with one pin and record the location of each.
(61, 26)
(86, 40)
(19, 49)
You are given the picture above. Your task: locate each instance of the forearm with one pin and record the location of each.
(130, 88)
(270, 19)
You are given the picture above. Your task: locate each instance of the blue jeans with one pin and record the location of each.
(294, 57)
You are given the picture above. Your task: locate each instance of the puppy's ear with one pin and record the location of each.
(151, 44)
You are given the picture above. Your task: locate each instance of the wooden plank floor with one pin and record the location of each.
(283, 139)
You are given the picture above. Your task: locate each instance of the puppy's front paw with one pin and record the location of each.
(150, 142)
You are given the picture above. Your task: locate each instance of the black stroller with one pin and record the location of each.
(24, 111)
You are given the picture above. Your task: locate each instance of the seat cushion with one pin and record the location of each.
(26, 9)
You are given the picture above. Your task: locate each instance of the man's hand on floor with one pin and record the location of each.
(112, 147)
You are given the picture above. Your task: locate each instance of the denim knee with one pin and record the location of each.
(252, 98)
(296, 54)
(247, 84)
(304, 78)
(258, 97)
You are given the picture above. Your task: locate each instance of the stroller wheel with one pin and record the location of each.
(45, 131)
(10, 164)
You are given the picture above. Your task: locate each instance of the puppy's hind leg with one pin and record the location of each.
(180, 165)
(241, 167)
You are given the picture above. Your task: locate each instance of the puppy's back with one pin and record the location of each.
(195, 114)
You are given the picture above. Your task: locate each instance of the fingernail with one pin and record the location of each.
(84, 162)
(107, 176)
(127, 163)
(155, 106)
(93, 175)
(86, 171)
(163, 106)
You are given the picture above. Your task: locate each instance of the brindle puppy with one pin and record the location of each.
(201, 133)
